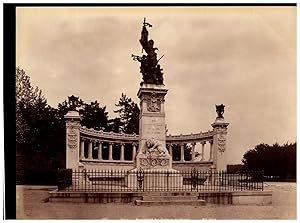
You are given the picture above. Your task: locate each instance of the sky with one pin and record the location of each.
(243, 57)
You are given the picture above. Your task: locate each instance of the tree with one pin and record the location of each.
(92, 115)
(129, 115)
(35, 130)
(115, 125)
(275, 160)
(29, 104)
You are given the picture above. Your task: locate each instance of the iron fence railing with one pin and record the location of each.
(159, 181)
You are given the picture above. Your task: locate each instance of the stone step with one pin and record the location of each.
(169, 198)
(173, 202)
(172, 194)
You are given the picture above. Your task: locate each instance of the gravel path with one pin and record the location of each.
(31, 205)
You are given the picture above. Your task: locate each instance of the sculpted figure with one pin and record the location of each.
(150, 69)
(153, 147)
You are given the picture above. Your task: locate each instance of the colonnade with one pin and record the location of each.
(98, 145)
(171, 146)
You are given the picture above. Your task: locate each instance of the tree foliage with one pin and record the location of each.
(274, 160)
(129, 115)
(92, 115)
(31, 109)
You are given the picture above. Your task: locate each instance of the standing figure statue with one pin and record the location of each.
(150, 69)
(220, 110)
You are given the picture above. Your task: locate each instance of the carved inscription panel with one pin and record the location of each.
(153, 127)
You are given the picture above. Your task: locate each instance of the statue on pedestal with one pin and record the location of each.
(150, 69)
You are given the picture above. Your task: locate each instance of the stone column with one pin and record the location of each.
(82, 148)
(219, 144)
(72, 119)
(193, 151)
(211, 150)
(122, 152)
(202, 150)
(133, 150)
(171, 151)
(100, 151)
(110, 157)
(182, 152)
(90, 150)
(152, 125)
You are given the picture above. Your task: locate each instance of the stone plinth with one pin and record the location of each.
(152, 118)
(219, 144)
(153, 179)
(73, 139)
(152, 152)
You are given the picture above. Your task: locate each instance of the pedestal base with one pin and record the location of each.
(154, 179)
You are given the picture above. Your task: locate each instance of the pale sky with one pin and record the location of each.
(243, 57)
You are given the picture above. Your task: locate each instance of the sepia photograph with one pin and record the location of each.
(156, 112)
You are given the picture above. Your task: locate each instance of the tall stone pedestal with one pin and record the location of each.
(220, 159)
(153, 159)
(73, 139)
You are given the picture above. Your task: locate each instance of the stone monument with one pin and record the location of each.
(152, 157)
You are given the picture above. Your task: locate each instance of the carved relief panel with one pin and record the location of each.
(72, 138)
(153, 103)
(221, 143)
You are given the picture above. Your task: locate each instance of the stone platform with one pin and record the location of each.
(262, 198)
(170, 199)
(154, 179)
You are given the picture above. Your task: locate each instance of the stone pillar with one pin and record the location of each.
(193, 151)
(72, 119)
(82, 148)
(110, 157)
(122, 151)
(90, 150)
(152, 128)
(171, 151)
(133, 150)
(219, 144)
(182, 152)
(100, 151)
(211, 150)
(202, 150)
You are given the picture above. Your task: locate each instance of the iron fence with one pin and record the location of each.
(160, 181)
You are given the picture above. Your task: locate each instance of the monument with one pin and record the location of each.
(152, 157)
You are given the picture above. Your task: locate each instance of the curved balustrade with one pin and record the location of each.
(190, 137)
(108, 135)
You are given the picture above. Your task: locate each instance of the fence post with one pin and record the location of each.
(241, 181)
(84, 173)
(167, 180)
(262, 180)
